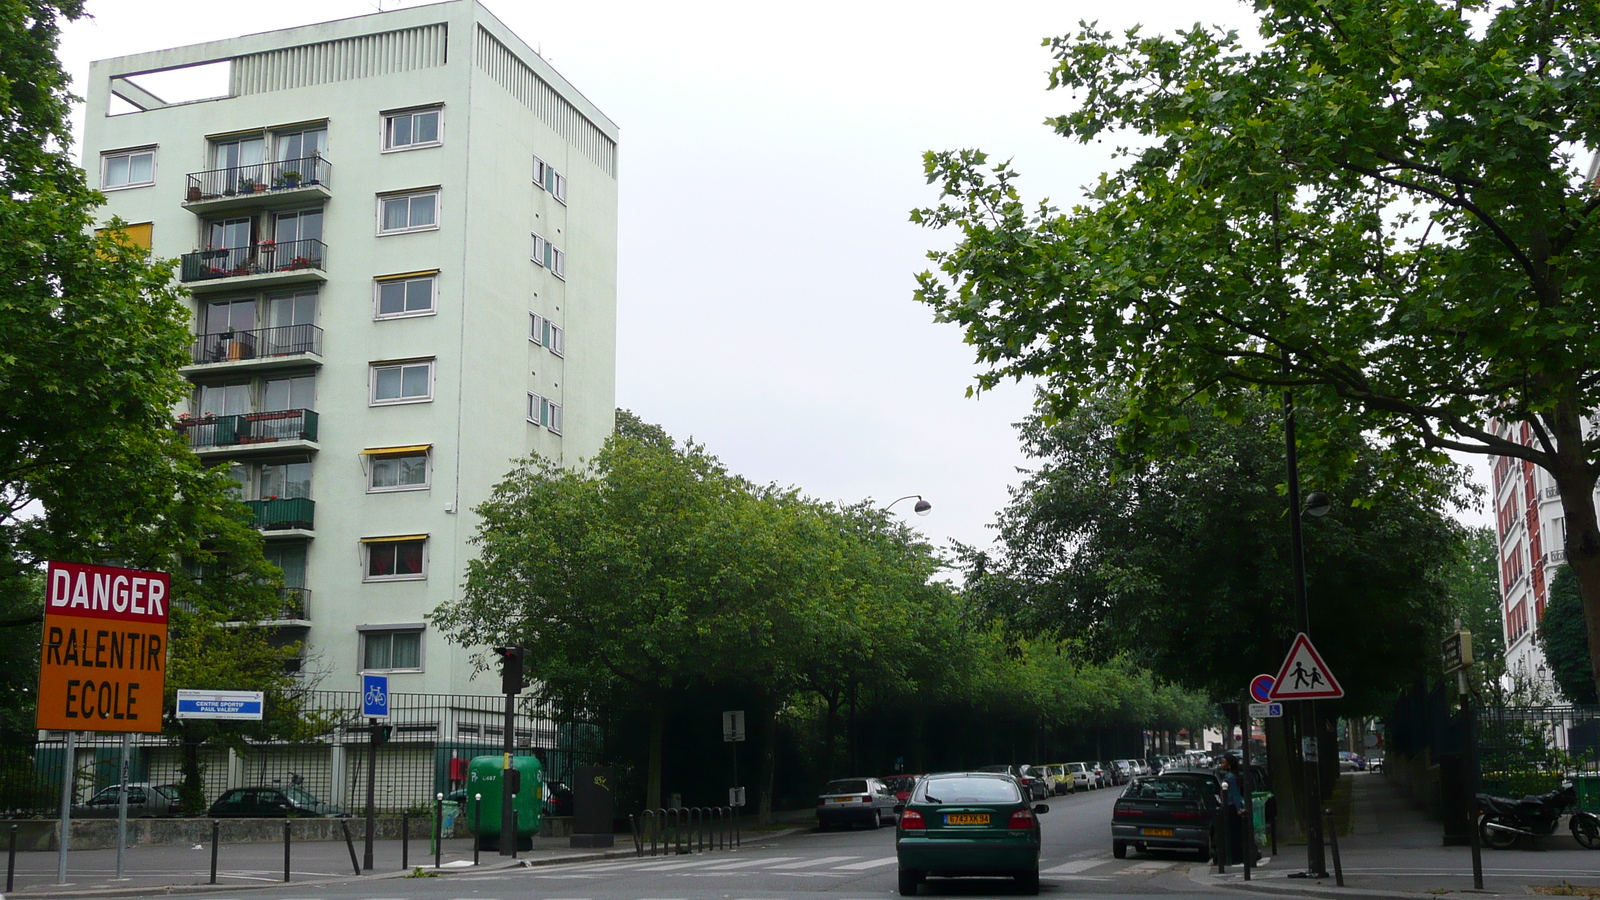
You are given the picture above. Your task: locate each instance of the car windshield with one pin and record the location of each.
(901, 784)
(967, 789)
(301, 797)
(846, 786)
(1077, 767)
(1163, 789)
(169, 791)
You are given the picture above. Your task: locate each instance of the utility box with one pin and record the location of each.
(593, 807)
(484, 776)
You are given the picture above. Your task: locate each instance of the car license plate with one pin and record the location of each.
(1156, 832)
(966, 818)
(843, 799)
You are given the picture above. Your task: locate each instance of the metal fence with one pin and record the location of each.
(1530, 749)
(428, 734)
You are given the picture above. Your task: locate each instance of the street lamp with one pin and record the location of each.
(921, 507)
(1317, 504)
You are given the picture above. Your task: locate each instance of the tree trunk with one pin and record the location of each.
(658, 727)
(769, 760)
(829, 733)
(1575, 479)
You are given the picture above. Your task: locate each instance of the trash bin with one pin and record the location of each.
(1588, 785)
(1258, 808)
(484, 777)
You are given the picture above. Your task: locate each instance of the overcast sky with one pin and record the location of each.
(768, 159)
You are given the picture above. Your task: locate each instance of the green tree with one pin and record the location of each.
(1473, 580)
(1181, 560)
(1378, 209)
(1565, 641)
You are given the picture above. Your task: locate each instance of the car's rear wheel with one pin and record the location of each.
(1028, 882)
(1119, 849)
(876, 821)
(909, 879)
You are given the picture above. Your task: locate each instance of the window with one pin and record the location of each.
(127, 169)
(391, 650)
(407, 382)
(405, 295)
(300, 225)
(548, 335)
(304, 144)
(545, 254)
(395, 559)
(547, 178)
(296, 392)
(284, 481)
(291, 558)
(544, 411)
(411, 128)
(398, 469)
(225, 399)
(399, 213)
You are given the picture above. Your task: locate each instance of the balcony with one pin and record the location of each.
(260, 264)
(251, 433)
(259, 349)
(295, 604)
(284, 513)
(1555, 556)
(269, 185)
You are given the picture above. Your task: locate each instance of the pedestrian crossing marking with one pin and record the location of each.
(863, 866)
(1075, 867)
(749, 862)
(819, 861)
(667, 867)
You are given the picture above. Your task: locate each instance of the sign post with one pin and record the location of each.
(375, 706)
(733, 736)
(102, 667)
(1305, 677)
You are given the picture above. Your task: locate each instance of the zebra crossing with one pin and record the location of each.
(1094, 868)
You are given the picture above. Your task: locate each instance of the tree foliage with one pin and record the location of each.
(1565, 641)
(1473, 579)
(1380, 209)
(1181, 560)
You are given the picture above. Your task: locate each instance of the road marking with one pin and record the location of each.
(748, 863)
(1075, 867)
(863, 866)
(667, 867)
(819, 861)
(1147, 868)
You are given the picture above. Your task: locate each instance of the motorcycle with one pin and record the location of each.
(1504, 819)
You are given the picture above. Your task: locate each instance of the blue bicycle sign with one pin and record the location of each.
(375, 696)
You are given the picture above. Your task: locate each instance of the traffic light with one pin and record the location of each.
(514, 781)
(510, 669)
(1232, 711)
(381, 734)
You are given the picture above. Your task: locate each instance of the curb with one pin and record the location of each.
(1203, 876)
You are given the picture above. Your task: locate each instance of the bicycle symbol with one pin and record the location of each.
(376, 697)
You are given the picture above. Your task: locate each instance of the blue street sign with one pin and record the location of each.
(375, 696)
(245, 705)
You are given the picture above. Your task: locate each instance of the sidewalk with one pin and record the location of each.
(1394, 849)
(167, 868)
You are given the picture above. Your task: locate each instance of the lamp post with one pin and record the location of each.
(1317, 504)
(921, 507)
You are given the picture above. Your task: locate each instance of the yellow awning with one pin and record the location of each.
(388, 451)
(406, 275)
(394, 538)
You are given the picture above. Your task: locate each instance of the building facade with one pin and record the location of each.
(1532, 529)
(399, 235)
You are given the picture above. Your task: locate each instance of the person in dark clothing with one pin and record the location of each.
(1233, 809)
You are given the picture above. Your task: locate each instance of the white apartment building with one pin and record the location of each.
(399, 232)
(1532, 529)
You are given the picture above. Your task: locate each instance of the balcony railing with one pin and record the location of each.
(295, 602)
(208, 432)
(279, 513)
(258, 343)
(260, 178)
(259, 258)
(1555, 556)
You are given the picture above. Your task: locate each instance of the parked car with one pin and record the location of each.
(1031, 786)
(846, 801)
(1061, 779)
(145, 800)
(1101, 779)
(1161, 811)
(1123, 770)
(270, 802)
(1041, 781)
(900, 786)
(1375, 764)
(1114, 776)
(968, 823)
(1082, 777)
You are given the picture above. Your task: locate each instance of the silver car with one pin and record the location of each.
(846, 801)
(145, 801)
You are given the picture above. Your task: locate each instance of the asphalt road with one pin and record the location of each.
(812, 865)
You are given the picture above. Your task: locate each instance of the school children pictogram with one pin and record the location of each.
(1304, 676)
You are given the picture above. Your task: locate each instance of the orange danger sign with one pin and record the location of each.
(103, 663)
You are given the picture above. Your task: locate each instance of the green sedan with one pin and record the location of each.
(968, 823)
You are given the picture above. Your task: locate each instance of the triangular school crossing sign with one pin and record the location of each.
(1304, 676)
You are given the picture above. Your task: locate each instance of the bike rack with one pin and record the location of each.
(683, 831)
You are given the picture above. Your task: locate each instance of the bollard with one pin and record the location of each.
(344, 825)
(11, 864)
(405, 841)
(1333, 839)
(286, 850)
(216, 832)
(477, 825)
(438, 829)
(1222, 840)
(738, 841)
